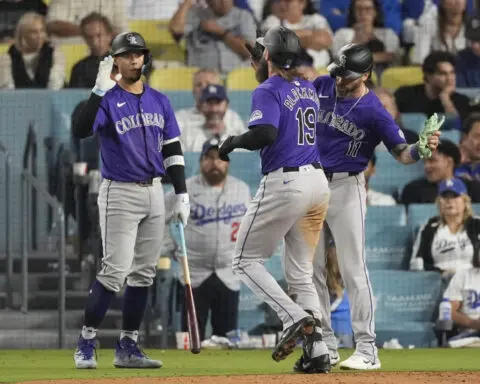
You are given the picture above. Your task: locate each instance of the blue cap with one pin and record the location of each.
(454, 185)
(213, 92)
(210, 144)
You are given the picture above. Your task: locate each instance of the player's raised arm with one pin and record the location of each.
(83, 126)
(426, 144)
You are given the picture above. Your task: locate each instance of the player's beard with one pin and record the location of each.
(134, 78)
(214, 176)
(261, 74)
(348, 89)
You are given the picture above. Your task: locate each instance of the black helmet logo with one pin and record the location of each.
(132, 39)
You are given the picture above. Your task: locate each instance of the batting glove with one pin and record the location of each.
(104, 83)
(225, 148)
(431, 126)
(181, 209)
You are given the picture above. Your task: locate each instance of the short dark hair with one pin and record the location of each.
(95, 16)
(471, 119)
(431, 62)
(450, 149)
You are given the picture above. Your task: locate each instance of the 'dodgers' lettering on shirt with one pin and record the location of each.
(139, 120)
(300, 93)
(202, 214)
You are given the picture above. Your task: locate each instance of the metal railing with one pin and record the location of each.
(30, 162)
(8, 232)
(29, 184)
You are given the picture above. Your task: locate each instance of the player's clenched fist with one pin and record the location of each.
(104, 82)
(181, 210)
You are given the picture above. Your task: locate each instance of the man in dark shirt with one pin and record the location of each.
(437, 93)
(97, 31)
(439, 167)
(470, 148)
(468, 59)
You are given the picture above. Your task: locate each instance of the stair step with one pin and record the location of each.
(49, 281)
(75, 300)
(40, 263)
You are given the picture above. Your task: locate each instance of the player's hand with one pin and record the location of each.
(181, 210)
(429, 137)
(225, 148)
(104, 82)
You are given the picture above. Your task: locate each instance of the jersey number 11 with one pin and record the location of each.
(306, 121)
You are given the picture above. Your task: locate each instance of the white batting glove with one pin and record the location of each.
(103, 82)
(181, 209)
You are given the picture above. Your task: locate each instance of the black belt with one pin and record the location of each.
(329, 175)
(147, 182)
(296, 169)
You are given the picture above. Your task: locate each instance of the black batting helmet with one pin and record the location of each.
(352, 61)
(132, 41)
(283, 46)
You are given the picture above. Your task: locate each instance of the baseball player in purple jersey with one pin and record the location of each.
(139, 143)
(292, 198)
(351, 123)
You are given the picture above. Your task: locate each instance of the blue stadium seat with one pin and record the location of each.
(391, 176)
(385, 215)
(418, 214)
(405, 306)
(451, 135)
(413, 121)
(476, 208)
(241, 102)
(387, 247)
(469, 92)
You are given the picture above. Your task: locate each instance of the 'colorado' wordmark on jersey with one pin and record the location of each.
(132, 130)
(341, 123)
(291, 107)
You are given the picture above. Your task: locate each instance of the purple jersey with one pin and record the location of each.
(292, 108)
(132, 130)
(347, 143)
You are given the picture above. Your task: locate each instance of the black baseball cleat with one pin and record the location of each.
(320, 364)
(288, 340)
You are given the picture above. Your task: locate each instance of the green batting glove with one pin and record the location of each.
(431, 125)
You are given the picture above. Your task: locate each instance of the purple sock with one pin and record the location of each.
(97, 305)
(134, 303)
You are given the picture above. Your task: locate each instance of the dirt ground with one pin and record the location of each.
(334, 378)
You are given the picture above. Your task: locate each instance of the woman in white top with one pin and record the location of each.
(365, 25)
(447, 243)
(31, 62)
(312, 29)
(441, 29)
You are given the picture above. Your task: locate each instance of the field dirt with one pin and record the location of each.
(333, 378)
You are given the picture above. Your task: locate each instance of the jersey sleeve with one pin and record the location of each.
(101, 120)
(454, 290)
(388, 130)
(171, 129)
(265, 108)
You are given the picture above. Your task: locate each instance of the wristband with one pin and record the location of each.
(98, 92)
(414, 152)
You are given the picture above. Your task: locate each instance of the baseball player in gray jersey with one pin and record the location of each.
(218, 203)
(292, 199)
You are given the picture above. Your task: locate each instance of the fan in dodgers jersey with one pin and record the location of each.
(351, 123)
(292, 198)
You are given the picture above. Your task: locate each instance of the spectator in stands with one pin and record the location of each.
(219, 202)
(464, 294)
(215, 35)
(438, 168)
(442, 30)
(272, 7)
(198, 123)
(11, 12)
(31, 62)
(446, 242)
(470, 145)
(98, 34)
(312, 29)
(365, 25)
(374, 197)
(388, 101)
(468, 60)
(64, 17)
(437, 93)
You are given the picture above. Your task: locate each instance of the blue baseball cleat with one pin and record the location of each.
(85, 354)
(129, 355)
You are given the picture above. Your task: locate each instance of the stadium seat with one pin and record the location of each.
(413, 121)
(241, 79)
(395, 77)
(472, 93)
(418, 214)
(155, 32)
(73, 53)
(387, 247)
(173, 78)
(391, 176)
(386, 215)
(4, 48)
(476, 208)
(453, 136)
(241, 102)
(405, 306)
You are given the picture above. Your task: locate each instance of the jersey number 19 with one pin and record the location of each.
(306, 120)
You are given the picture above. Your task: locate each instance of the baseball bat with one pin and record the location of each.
(190, 302)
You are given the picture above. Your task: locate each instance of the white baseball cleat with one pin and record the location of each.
(361, 363)
(334, 358)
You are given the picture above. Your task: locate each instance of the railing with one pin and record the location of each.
(8, 233)
(30, 162)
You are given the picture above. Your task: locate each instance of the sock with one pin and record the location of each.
(88, 332)
(98, 301)
(134, 303)
(130, 334)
